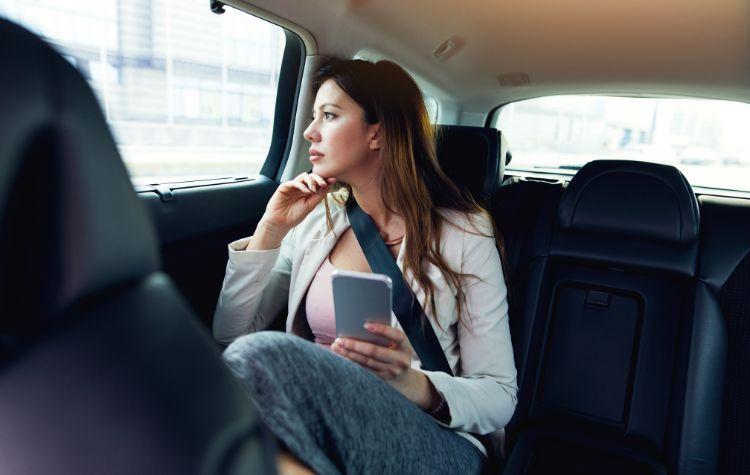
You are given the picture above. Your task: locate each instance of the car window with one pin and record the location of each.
(433, 108)
(705, 139)
(188, 94)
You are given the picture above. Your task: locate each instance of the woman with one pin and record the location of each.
(344, 405)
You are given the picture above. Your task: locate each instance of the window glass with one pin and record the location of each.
(705, 139)
(188, 94)
(433, 108)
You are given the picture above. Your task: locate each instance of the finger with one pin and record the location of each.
(302, 188)
(319, 180)
(392, 333)
(301, 178)
(291, 187)
(377, 352)
(364, 360)
(307, 180)
(383, 370)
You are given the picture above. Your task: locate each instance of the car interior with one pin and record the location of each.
(629, 279)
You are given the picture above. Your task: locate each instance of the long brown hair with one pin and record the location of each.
(412, 184)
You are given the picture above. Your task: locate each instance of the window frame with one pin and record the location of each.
(287, 96)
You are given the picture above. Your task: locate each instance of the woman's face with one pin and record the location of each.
(342, 144)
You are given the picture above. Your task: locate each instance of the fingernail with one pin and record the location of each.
(369, 326)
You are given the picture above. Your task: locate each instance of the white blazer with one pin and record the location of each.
(482, 394)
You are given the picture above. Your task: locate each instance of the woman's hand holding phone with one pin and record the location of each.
(292, 201)
(388, 362)
(392, 363)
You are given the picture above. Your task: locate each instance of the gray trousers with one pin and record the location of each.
(338, 417)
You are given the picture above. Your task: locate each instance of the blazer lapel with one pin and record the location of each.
(316, 250)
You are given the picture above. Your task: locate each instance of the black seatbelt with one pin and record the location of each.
(405, 305)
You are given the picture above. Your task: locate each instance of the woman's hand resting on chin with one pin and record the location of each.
(295, 199)
(292, 201)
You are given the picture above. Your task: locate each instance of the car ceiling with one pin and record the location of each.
(640, 47)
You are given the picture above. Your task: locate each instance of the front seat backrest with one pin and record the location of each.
(473, 157)
(103, 366)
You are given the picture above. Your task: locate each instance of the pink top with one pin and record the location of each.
(319, 306)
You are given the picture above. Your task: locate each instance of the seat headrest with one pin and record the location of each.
(633, 199)
(70, 222)
(471, 156)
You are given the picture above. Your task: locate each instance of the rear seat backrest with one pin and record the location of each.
(725, 268)
(625, 346)
(524, 210)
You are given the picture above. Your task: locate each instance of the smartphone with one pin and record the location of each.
(360, 297)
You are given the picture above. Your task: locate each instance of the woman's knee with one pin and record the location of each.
(285, 356)
(255, 349)
(259, 344)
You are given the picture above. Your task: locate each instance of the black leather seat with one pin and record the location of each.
(523, 209)
(622, 346)
(104, 368)
(471, 157)
(725, 268)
